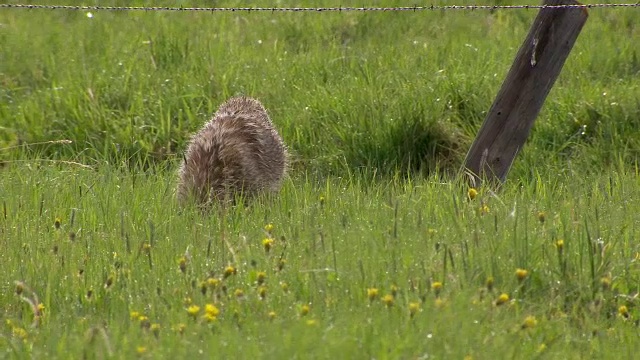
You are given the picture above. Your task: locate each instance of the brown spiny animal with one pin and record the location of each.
(237, 152)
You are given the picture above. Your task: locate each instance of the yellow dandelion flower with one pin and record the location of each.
(267, 243)
(271, 315)
(484, 209)
(146, 247)
(229, 270)
(304, 310)
(134, 315)
(209, 317)
(144, 322)
(472, 193)
(321, 199)
(372, 293)
(193, 310)
(211, 309)
(155, 329)
(542, 347)
(213, 283)
(284, 286)
(141, 350)
(559, 244)
(182, 263)
(502, 299)
(261, 276)
(541, 216)
(489, 283)
(436, 286)
(262, 292)
(268, 228)
(187, 301)
(238, 293)
(57, 223)
(414, 307)
(605, 282)
(281, 264)
(40, 308)
(388, 300)
(521, 274)
(431, 231)
(529, 322)
(623, 311)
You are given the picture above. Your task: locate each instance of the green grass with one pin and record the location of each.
(378, 110)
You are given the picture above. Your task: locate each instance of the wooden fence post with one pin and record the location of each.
(532, 75)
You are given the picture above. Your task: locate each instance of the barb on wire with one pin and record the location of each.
(314, 9)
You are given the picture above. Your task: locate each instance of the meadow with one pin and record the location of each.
(376, 247)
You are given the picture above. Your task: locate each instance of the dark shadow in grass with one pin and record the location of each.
(410, 145)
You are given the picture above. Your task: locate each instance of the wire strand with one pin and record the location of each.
(315, 9)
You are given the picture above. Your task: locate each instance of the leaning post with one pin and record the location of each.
(532, 75)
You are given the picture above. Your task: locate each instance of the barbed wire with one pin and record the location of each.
(314, 9)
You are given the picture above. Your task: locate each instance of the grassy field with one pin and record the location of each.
(373, 248)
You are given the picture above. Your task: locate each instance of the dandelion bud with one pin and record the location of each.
(502, 299)
(182, 263)
(388, 300)
(229, 270)
(489, 283)
(472, 193)
(521, 274)
(436, 286)
(261, 277)
(414, 307)
(267, 243)
(529, 322)
(541, 216)
(623, 311)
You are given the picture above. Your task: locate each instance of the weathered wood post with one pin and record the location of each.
(532, 75)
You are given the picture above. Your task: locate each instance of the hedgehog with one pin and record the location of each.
(238, 152)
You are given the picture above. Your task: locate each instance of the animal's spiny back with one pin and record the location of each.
(238, 150)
